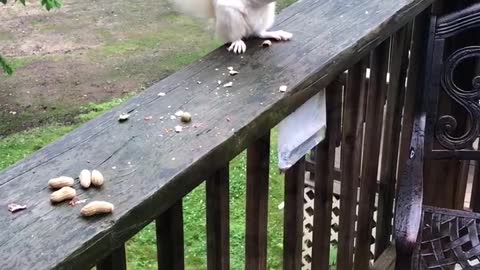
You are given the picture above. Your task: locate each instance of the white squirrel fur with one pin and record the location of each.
(235, 19)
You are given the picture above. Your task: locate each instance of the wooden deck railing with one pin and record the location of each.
(156, 167)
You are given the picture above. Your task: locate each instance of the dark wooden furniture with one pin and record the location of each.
(150, 168)
(428, 237)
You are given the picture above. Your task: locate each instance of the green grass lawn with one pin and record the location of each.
(195, 223)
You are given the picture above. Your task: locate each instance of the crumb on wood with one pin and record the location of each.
(186, 117)
(76, 201)
(266, 43)
(14, 207)
(123, 117)
(178, 113)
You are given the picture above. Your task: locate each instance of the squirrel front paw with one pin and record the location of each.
(237, 47)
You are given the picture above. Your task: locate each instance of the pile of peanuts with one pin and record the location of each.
(65, 191)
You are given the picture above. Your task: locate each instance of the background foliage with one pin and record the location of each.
(49, 5)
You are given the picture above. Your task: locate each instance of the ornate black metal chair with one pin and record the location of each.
(428, 237)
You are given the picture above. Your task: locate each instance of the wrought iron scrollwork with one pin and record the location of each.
(467, 99)
(452, 24)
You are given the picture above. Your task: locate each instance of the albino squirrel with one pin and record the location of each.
(236, 19)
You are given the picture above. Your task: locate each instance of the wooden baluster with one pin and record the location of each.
(117, 260)
(293, 216)
(342, 80)
(324, 171)
(257, 204)
(218, 229)
(350, 163)
(170, 247)
(373, 131)
(391, 138)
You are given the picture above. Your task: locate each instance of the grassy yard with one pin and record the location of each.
(141, 257)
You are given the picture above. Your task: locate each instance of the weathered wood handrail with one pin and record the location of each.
(149, 170)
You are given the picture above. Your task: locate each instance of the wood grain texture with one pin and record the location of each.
(373, 132)
(170, 245)
(387, 260)
(258, 157)
(391, 138)
(218, 220)
(117, 260)
(352, 130)
(293, 216)
(155, 168)
(324, 171)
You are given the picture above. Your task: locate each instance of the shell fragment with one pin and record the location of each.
(186, 117)
(266, 43)
(13, 207)
(179, 113)
(123, 117)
